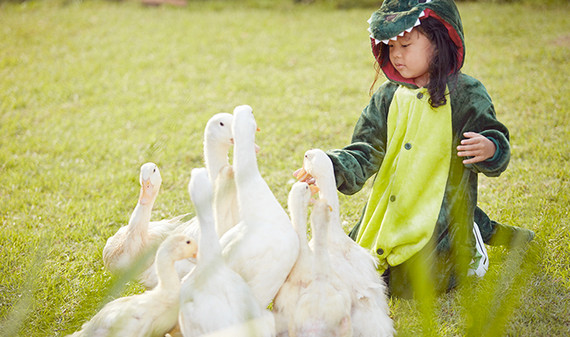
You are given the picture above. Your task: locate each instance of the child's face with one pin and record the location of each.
(411, 55)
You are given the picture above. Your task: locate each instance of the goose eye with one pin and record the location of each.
(153, 170)
(221, 123)
(188, 242)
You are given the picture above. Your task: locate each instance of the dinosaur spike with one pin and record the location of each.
(376, 41)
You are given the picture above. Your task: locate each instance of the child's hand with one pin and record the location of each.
(477, 146)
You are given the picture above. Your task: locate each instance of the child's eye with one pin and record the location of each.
(405, 45)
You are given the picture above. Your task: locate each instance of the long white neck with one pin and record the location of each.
(245, 160)
(210, 248)
(327, 191)
(215, 157)
(320, 250)
(138, 222)
(168, 280)
(299, 221)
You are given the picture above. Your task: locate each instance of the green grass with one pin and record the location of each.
(90, 91)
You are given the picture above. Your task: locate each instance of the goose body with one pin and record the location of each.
(152, 313)
(353, 264)
(213, 296)
(218, 140)
(285, 302)
(263, 246)
(324, 305)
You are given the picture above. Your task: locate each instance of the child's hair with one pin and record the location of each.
(444, 63)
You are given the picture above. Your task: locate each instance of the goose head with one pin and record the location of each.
(300, 195)
(298, 203)
(244, 124)
(179, 246)
(316, 164)
(218, 130)
(150, 181)
(200, 188)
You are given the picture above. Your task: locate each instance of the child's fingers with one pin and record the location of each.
(468, 141)
(473, 160)
(471, 134)
(470, 148)
(471, 153)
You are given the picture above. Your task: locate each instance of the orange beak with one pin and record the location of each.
(301, 174)
(144, 195)
(314, 189)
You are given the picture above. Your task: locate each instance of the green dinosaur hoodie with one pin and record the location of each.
(446, 246)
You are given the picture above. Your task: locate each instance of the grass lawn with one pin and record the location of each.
(91, 90)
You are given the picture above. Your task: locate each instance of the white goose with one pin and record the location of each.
(324, 305)
(286, 299)
(131, 242)
(152, 313)
(263, 246)
(213, 296)
(352, 263)
(218, 140)
(133, 246)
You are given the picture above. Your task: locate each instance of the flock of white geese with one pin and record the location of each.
(218, 273)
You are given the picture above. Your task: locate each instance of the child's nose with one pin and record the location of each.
(395, 53)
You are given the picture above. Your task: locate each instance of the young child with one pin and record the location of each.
(425, 135)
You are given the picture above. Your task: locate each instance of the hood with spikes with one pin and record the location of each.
(395, 17)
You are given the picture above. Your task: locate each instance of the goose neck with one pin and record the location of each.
(329, 193)
(209, 242)
(166, 272)
(244, 156)
(140, 218)
(215, 158)
(320, 249)
(299, 222)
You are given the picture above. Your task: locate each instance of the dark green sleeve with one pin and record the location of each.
(360, 160)
(474, 111)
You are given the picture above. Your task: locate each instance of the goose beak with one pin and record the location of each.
(145, 195)
(301, 174)
(314, 189)
(258, 129)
